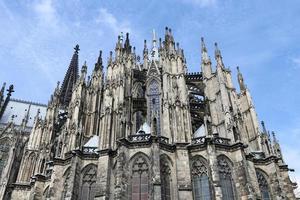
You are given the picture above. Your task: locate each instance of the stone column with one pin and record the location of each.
(103, 176)
(183, 173)
(213, 163)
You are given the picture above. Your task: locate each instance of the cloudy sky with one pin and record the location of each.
(262, 37)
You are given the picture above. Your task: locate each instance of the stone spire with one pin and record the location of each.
(3, 107)
(263, 127)
(204, 54)
(26, 117)
(218, 56)
(127, 46)
(70, 79)
(154, 50)
(241, 80)
(145, 51)
(99, 63)
(206, 62)
(2, 93)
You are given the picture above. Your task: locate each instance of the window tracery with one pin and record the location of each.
(263, 186)
(226, 182)
(67, 177)
(140, 179)
(165, 174)
(154, 101)
(89, 178)
(201, 185)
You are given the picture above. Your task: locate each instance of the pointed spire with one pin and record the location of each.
(83, 72)
(218, 55)
(70, 79)
(8, 95)
(241, 80)
(263, 127)
(274, 137)
(110, 58)
(99, 63)
(153, 38)
(26, 117)
(2, 93)
(145, 51)
(205, 57)
(154, 50)
(127, 47)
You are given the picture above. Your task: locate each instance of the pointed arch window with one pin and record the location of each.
(154, 102)
(263, 185)
(200, 179)
(67, 177)
(165, 175)
(29, 165)
(88, 186)
(140, 179)
(226, 181)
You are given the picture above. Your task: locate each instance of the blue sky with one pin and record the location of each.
(262, 37)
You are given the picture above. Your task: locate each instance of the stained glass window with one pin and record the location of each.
(226, 182)
(201, 185)
(140, 179)
(154, 101)
(263, 186)
(165, 175)
(89, 178)
(66, 183)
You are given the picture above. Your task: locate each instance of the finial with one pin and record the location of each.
(203, 47)
(109, 58)
(218, 56)
(274, 136)
(10, 90)
(99, 61)
(121, 37)
(241, 79)
(263, 126)
(84, 67)
(160, 43)
(145, 43)
(76, 48)
(153, 35)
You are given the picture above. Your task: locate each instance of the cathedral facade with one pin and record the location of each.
(147, 129)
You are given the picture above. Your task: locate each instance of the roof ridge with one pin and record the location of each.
(29, 102)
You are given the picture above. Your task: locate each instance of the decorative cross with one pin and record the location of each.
(76, 48)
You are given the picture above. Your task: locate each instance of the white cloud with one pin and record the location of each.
(108, 19)
(45, 11)
(202, 3)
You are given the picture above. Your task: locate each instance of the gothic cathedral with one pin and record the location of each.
(147, 129)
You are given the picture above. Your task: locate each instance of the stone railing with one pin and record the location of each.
(214, 139)
(198, 140)
(89, 150)
(163, 139)
(139, 138)
(220, 140)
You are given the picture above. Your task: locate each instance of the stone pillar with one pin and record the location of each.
(213, 162)
(103, 176)
(155, 160)
(183, 173)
